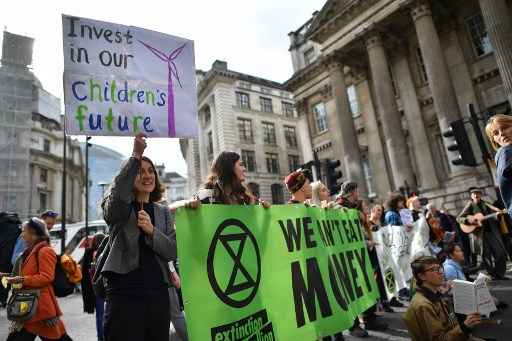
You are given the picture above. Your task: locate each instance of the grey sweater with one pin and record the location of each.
(122, 221)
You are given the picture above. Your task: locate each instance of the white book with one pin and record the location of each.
(472, 297)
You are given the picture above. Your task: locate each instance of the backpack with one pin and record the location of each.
(62, 286)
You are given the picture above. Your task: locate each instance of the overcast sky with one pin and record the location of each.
(252, 36)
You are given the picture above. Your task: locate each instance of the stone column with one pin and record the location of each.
(396, 145)
(403, 79)
(344, 131)
(375, 147)
(498, 21)
(443, 93)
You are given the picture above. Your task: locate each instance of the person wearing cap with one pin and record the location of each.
(488, 235)
(35, 269)
(428, 317)
(349, 195)
(299, 184)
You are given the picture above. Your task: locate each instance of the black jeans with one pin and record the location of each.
(24, 335)
(493, 248)
(137, 318)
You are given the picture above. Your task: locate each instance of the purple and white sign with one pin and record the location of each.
(123, 80)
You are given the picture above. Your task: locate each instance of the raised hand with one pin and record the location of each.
(139, 145)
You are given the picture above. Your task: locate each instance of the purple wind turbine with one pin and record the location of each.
(172, 71)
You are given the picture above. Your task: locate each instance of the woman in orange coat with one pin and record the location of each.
(37, 272)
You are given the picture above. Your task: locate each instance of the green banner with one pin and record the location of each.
(284, 273)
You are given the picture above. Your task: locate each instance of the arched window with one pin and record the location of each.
(255, 189)
(277, 194)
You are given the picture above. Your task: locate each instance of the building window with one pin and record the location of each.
(266, 104)
(479, 35)
(320, 117)
(242, 100)
(254, 188)
(421, 65)
(46, 145)
(309, 56)
(209, 148)
(245, 130)
(368, 177)
(287, 109)
(293, 162)
(269, 133)
(272, 163)
(291, 138)
(277, 194)
(43, 201)
(352, 101)
(249, 160)
(43, 175)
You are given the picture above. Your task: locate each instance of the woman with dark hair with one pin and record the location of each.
(92, 302)
(142, 242)
(35, 269)
(394, 204)
(224, 184)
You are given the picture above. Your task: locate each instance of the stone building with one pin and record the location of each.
(252, 116)
(378, 81)
(31, 140)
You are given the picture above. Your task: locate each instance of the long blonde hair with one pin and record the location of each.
(315, 197)
(498, 121)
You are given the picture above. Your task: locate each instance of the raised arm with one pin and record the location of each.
(116, 205)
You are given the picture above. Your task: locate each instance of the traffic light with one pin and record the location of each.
(461, 144)
(332, 175)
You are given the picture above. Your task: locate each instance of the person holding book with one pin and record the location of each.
(428, 316)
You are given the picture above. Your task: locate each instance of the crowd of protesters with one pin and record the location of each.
(133, 267)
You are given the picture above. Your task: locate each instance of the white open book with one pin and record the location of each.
(473, 297)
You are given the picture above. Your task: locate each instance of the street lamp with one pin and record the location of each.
(103, 185)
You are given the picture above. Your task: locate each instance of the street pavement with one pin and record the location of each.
(81, 326)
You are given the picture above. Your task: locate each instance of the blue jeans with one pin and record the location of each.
(100, 310)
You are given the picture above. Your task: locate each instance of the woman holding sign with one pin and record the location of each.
(225, 183)
(142, 243)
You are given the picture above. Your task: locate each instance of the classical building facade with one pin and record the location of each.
(251, 116)
(31, 140)
(378, 81)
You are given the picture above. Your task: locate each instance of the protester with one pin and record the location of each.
(374, 223)
(505, 224)
(49, 217)
(35, 269)
(91, 302)
(142, 243)
(299, 185)
(9, 233)
(499, 132)
(453, 268)
(349, 198)
(414, 204)
(428, 318)
(320, 195)
(437, 234)
(225, 183)
(489, 234)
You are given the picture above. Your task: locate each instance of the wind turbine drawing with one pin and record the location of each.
(172, 72)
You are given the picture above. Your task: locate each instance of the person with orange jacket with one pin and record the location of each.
(35, 269)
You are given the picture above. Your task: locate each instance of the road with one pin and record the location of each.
(81, 326)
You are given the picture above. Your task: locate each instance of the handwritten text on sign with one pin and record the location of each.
(123, 80)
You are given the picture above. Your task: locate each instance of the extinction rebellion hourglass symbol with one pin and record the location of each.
(172, 71)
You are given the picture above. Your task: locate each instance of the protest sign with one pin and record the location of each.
(124, 80)
(284, 273)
